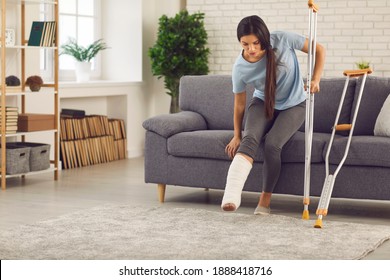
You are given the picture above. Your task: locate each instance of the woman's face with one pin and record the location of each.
(252, 47)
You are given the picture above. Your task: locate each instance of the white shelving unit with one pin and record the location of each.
(47, 89)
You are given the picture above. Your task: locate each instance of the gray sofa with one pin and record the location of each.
(187, 148)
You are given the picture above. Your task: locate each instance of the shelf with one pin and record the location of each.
(44, 90)
(31, 2)
(99, 88)
(51, 169)
(19, 47)
(28, 133)
(22, 95)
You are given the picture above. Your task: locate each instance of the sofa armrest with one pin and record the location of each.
(169, 124)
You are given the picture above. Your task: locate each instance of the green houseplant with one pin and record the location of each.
(180, 50)
(363, 64)
(82, 56)
(81, 53)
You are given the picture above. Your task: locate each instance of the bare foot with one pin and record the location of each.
(265, 199)
(229, 207)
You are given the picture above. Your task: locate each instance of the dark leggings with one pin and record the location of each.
(275, 133)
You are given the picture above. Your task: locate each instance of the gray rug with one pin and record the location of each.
(128, 232)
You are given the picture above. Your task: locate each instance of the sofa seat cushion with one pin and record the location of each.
(211, 144)
(294, 150)
(364, 151)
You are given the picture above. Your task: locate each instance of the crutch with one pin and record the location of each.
(327, 188)
(313, 9)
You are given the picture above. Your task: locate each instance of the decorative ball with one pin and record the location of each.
(35, 87)
(12, 81)
(34, 82)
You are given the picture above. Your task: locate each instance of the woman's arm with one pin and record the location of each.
(239, 110)
(318, 67)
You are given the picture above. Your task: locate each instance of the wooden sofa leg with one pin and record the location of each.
(161, 192)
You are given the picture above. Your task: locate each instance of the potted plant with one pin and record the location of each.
(363, 64)
(180, 50)
(34, 82)
(83, 56)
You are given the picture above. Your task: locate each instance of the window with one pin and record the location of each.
(90, 20)
(79, 19)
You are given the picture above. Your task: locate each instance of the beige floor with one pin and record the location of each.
(38, 197)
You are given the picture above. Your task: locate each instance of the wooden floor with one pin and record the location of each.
(38, 197)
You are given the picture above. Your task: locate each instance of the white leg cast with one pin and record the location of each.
(238, 173)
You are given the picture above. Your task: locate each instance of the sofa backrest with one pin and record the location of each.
(212, 97)
(327, 101)
(374, 95)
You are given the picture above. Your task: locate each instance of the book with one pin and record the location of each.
(9, 109)
(72, 113)
(10, 122)
(11, 112)
(52, 34)
(36, 33)
(11, 127)
(42, 34)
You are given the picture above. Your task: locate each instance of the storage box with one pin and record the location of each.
(18, 159)
(35, 122)
(39, 154)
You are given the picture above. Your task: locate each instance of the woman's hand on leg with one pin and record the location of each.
(232, 147)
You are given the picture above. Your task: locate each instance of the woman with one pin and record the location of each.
(276, 111)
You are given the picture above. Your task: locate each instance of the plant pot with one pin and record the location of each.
(83, 71)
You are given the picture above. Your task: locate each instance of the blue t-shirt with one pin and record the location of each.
(289, 83)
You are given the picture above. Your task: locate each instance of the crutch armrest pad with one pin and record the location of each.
(343, 127)
(357, 73)
(311, 4)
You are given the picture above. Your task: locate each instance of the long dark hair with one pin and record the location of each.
(256, 26)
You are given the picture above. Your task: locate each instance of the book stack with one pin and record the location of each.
(118, 131)
(11, 119)
(91, 140)
(42, 34)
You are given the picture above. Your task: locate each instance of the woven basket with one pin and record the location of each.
(18, 159)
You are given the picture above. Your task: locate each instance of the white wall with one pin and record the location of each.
(158, 100)
(350, 30)
(122, 30)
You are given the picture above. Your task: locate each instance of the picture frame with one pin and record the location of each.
(9, 37)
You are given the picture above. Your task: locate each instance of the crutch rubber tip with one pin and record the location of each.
(318, 223)
(305, 215)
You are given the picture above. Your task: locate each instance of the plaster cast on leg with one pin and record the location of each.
(238, 173)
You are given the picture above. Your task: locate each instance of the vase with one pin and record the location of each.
(83, 71)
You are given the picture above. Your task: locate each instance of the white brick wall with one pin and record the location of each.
(350, 30)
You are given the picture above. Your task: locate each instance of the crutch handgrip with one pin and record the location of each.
(311, 4)
(343, 127)
(322, 212)
(357, 73)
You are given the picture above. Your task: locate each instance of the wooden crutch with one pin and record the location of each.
(327, 188)
(313, 9)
